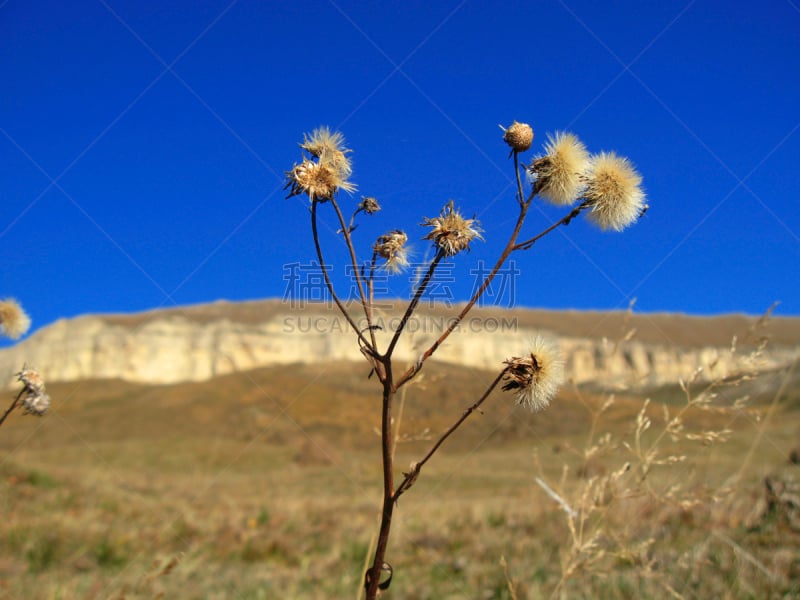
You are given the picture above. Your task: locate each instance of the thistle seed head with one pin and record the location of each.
(391, 246)
(559, 175)
(451, 232)
(31, 379)
(14, 322)
(318, 180)
(36, 403)
(537, 376)
(614, 190)
(328, 147)
(319, 177)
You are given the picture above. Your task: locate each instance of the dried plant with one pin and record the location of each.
(14, 321)
(32, 397)
(633, 487)
(605, 187)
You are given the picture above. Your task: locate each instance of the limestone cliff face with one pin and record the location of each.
(195, 344)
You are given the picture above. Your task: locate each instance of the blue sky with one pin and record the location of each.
(143, 144)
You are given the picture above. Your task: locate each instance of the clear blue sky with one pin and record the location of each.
(143, 144)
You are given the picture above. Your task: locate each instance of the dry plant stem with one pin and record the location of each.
(526, 245)
(510, 247)
(414, 302)
(390, 387)
(328, 282)
(12, 407)
(736, 479)
(371, 282)
(410, 477)
(374, 573)
(414, 369)
(354, 262)
(520, 193)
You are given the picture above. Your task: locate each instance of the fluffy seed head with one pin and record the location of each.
(31, 379)
(328, 148)
(537, 376)
(519, 136)
(318, 180)
(36, 403)
(558, 175)
(451, 232)
(391, 246)
(614, 191)
(320, 177)
(14, 322)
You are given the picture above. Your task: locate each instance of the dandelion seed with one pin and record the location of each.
(451, 232)
(536, 377)
(519, 136)
(559, 175)
(14, 322)
(614, 191)
(391, 246)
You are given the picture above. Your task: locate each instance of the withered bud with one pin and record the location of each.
(369, 205)
(519, 136)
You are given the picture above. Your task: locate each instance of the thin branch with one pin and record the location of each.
(510, 246)
(520, 193)
(411, 477)
(565, 220)
(354, 261)
(414, 302)
(366, 343)
(13, 405)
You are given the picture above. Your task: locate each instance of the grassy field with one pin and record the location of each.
(266, 485)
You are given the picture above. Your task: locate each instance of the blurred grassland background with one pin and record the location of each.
(206, 490)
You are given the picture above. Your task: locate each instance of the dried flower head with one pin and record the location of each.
(391, 246)
(317, 180)
(36, 403)
(558, 175)
(613, 189)
(537, 376)
(31, 379)
(369, 205)
(328, 148)
(519, 136)
(14, 322)
(451, 232)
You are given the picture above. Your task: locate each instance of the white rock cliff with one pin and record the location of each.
(190, 345)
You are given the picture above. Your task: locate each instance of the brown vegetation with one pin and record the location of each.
(262, 485)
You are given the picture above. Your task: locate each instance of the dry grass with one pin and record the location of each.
(262, 485)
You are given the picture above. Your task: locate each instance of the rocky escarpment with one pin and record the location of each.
(198, 343)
